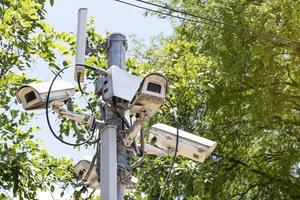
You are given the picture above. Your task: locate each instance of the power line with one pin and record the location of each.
(199, 17)
(220, 22)
(166, 14)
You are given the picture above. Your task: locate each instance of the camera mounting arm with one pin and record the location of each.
(132, 132)
(153, 150)
(88, 120)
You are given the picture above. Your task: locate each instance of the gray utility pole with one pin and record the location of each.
(114, 158)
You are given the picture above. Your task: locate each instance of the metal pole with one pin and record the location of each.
(108, 160)
(116, 51)
(114, 158)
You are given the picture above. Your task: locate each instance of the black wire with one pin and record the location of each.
(81, 91)
(142, 151)
(75, 127)
(90, 169)
(130, 120)
(47, 115)
(119, 114)
(166, 14)
(136, 149)
(96, 140)
(175, 154)
(199, 17)
(90, 196)
(142, 139)
(99, 71)
(91, 108)
(87, 67)
(216, 21)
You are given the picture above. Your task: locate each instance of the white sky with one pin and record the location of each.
(109, 16)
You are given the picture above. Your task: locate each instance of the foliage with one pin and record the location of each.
(235, 87)
(24, 38)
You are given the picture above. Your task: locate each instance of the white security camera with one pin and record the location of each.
(81, 170)
(150, 95)
(147, 100)
(140, 94)
(191, 146)
(34, 95)
(93, 180)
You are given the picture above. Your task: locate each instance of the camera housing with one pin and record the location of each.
(132, 92)
(93, 180)
(34, 95)
(150, 95)
(147, 100)
(81, 169)
(190, 146)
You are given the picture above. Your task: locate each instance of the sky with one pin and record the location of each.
(109, 16)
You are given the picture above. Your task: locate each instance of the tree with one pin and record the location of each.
(238, 88)
(24, 166)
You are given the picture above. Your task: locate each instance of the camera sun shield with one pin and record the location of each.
(34, 95)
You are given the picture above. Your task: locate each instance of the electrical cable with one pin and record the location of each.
(96, 140)
(74, 125)
(76, 129)
(139, 162)
(142, 151)
(81, 91)
(119, 114)
(102, 111)
(168, 14)
(175, 153)
(95, 69)
(136, 148)
(142, 139)
(219, 22)
(47, 115)
(90, 196)
(199, 17)
(130, 120)
(155, 11)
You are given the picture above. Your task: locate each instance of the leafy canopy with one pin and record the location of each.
(24, 38)
(237, 88)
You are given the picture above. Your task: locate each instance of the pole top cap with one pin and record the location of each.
(115, 37)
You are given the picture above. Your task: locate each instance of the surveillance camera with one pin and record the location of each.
(150, 95)
(146, 101)
(93, 180)
(81, 169)
(34, 95)
(145, 94)
(191, 146)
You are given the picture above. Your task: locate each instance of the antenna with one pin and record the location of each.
(80, 45)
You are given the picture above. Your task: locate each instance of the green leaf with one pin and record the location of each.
(51, 2)
(52, 188)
